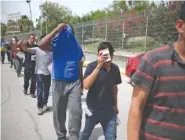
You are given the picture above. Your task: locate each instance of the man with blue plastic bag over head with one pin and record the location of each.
(67, 79)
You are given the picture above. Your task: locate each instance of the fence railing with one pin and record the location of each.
(132, 34)
(24, 35)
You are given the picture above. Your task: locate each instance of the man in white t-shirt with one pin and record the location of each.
(43, 59)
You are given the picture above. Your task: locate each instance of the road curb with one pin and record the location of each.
(122, 71)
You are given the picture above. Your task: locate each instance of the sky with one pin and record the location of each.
(78, 7)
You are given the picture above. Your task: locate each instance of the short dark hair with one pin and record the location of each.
(182, 11)
(31, 35)
(104, 45)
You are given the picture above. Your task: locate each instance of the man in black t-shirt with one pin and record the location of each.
(29, 65)
(102, 78)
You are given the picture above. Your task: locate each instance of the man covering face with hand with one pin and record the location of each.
(101, 79)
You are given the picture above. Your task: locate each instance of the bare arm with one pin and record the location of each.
(25, 48)
(17, 46)
(45, 43)
(138, 100)
(89, 81)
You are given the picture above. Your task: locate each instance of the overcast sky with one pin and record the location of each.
(79, 7)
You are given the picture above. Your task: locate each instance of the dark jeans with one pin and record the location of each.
(2, 56)
(8, 56)
(43, 86)
(29, 75)
(18, 65)
(11, 61)
(108, 121)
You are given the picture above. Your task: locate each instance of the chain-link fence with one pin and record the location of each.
(150, 29)
(24, 36)
(132, 34)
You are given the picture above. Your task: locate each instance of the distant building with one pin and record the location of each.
(14, 16)
(14, 27)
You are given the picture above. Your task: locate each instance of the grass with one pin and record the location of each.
(133, 45)
(91, 47)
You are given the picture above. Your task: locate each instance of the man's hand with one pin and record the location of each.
(19, 43)
(101, 60)
(116, 110)
(60, 27)
(18, 49)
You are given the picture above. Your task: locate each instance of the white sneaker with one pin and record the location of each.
(45, 108)
(40, 111)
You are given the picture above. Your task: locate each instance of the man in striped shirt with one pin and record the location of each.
(157, 110)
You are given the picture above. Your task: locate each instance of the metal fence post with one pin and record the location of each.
(123, 34)
(106, 29)
(93, 35)
(146, 33)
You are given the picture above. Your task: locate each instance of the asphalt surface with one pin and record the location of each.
(19, 112)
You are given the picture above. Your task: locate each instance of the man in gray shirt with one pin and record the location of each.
(43, 59)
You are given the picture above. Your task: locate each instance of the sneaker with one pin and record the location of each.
(18, 75)
(40, 111)
(33, 95)
(25, 91)
(45, 108)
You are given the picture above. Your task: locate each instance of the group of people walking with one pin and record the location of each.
(27, 54)
(157, 110)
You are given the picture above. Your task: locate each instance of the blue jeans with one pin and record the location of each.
(108, 121)
(43, 86)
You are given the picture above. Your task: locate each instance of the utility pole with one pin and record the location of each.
(46, 17)
(31, 27)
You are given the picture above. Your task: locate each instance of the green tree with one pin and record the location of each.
(162, 22)
(53, 13)
(118, 6)
(3, 29)
(75, 19)
(12, 26)
(25, 23)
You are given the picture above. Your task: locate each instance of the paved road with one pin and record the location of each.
(19, 113)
